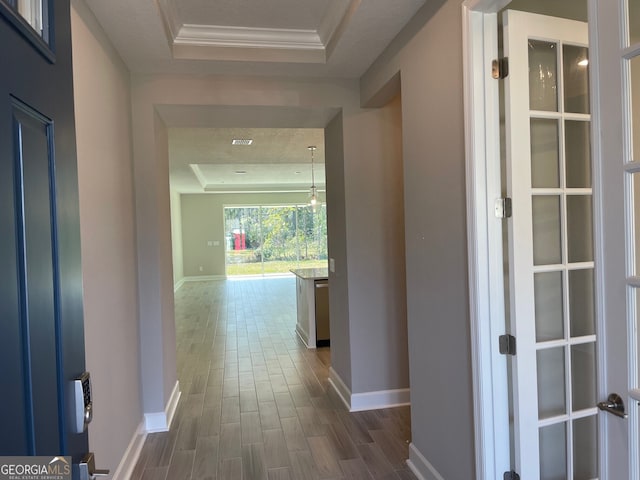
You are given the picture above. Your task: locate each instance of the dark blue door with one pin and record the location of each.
(41, 324)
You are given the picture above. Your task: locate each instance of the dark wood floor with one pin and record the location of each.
(256, 403)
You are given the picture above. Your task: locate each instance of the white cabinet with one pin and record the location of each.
(306, 280)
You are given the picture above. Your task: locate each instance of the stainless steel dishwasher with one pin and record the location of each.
(323, 335)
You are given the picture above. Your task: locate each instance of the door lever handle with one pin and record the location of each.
(613, 405)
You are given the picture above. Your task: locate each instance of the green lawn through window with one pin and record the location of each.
(271, 267)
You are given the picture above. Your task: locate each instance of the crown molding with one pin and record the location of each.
(222, 36)
(199, 175)
(335, 23)
(220, 42)
(170, 19)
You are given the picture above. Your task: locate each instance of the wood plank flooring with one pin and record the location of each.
(256, 403)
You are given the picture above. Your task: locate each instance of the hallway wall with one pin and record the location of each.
(176, 237)
(428, 56)
(107, 225)
(375, 237)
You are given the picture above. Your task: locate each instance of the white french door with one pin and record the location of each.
(616, 37)
(574, 293)
(551, 247)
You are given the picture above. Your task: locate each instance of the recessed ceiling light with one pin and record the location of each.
(584, 62)
(242, 141)
(240, 172)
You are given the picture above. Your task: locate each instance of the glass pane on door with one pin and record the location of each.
(635, 182)
(575, 62)
(32, 12)
(585, 441)
(583, 380)
(545, 157)
(551, 383)
(578, 157)
(581, 303)
(635, 106)
(549, 303)
(553, 452)
(579, 228)
(543, 76)
(634, 24)
(547, 248)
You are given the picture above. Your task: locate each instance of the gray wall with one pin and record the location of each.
(428, 55)
(635, 107)
(203, 221)
(375, 251)
(176, 237)
(166, 349)
(155, 272)
(337, 246)
(107, 224)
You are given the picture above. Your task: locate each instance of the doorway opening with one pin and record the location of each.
(273, 240)
(544, 393)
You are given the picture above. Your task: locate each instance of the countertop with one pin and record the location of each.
(311, 273)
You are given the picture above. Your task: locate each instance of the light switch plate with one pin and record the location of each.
(332, 265)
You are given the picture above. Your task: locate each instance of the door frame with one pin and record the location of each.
(484, 232)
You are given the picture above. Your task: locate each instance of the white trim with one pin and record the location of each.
(333, 24)
(334, 18)
(420, 466)
(204, 278)
(131, 455)
(161, 421)
(170, 20)
(484, 238)
(340, 387)
(195, 168)
(376, 400)
(225, 36)
(178, 284)
(380, 399)
(303, 336)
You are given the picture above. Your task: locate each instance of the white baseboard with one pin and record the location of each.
(420, 466)
(358, 402)
(197, 278)
(340, 387)
(131, 455)
(178, 284)
(303, 336)
(161, 421)
(204, 278)
(380, 399)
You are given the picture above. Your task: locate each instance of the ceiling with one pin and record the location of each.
(319, 38)
(203, 159)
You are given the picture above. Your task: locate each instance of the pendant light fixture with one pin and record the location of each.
(313, 194)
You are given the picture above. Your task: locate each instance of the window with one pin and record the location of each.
(32, 19)
(264, 240)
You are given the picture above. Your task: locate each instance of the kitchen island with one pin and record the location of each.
(312, 297)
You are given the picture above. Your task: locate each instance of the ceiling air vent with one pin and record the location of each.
(241, 141)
